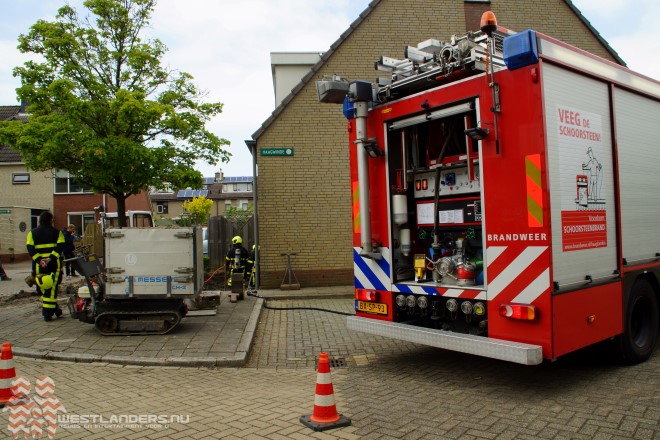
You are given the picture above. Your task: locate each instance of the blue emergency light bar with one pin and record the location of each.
(520, 50)
(348, 108)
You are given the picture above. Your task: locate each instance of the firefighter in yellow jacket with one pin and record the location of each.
(236, 259)
(45, 244)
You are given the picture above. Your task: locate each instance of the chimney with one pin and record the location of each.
(218, 177)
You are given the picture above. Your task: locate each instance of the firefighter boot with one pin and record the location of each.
(47, 314)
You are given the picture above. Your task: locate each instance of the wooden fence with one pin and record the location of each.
(222, 229)
(93, 238)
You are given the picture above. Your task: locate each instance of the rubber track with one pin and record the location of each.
(119, 314)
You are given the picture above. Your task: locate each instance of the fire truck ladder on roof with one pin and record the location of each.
(433, 62)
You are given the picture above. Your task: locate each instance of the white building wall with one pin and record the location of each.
(288, 68)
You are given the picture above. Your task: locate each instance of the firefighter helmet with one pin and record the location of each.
(45, 282)
(237, 240)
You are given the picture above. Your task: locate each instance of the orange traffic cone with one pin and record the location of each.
(325, 414)
(7, 374)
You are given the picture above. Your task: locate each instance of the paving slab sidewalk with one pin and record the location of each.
(223, 340)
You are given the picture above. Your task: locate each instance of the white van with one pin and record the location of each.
(134, 219)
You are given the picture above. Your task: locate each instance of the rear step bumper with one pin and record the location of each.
(517, 352)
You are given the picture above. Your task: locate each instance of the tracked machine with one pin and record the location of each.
(148, 280)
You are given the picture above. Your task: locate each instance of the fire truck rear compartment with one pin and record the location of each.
(433, 162)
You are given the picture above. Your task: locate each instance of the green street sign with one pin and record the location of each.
(277, 151)
(5, 211)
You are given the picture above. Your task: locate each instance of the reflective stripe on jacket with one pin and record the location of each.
(46, 242)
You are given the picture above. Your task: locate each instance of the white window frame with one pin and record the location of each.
(162, 207)
(63, 174)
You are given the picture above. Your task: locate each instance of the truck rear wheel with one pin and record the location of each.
(640, 325)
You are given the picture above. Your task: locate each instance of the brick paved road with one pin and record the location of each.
(213, 403)
(388, 390)
(395, 390)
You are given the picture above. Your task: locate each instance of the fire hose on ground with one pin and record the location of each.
(266, 306)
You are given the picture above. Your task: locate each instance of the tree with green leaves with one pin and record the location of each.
(199, 209)
(102, 107)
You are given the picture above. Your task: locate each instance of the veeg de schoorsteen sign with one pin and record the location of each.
(277, 151)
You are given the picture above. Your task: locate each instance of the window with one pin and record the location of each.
(142, 220)
(20, 178)
(65, 183)
(227, 206)
(81, 220)
(249, 187)
(133, 220)
(161, 207)
(235, 187)
(244, 206)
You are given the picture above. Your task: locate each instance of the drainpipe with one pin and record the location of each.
(252, 146)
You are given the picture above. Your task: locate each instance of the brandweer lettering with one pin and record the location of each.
(539, 236)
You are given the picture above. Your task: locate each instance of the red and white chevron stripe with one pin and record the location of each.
(517, 274)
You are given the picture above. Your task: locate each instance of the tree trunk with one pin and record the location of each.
(121, 210)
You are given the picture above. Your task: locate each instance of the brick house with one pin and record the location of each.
(74, 204)
(304, 199)
(24, 194)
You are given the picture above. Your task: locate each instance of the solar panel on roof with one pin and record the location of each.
(189, 193)
(238, 179)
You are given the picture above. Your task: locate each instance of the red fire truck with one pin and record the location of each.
(505, 198)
